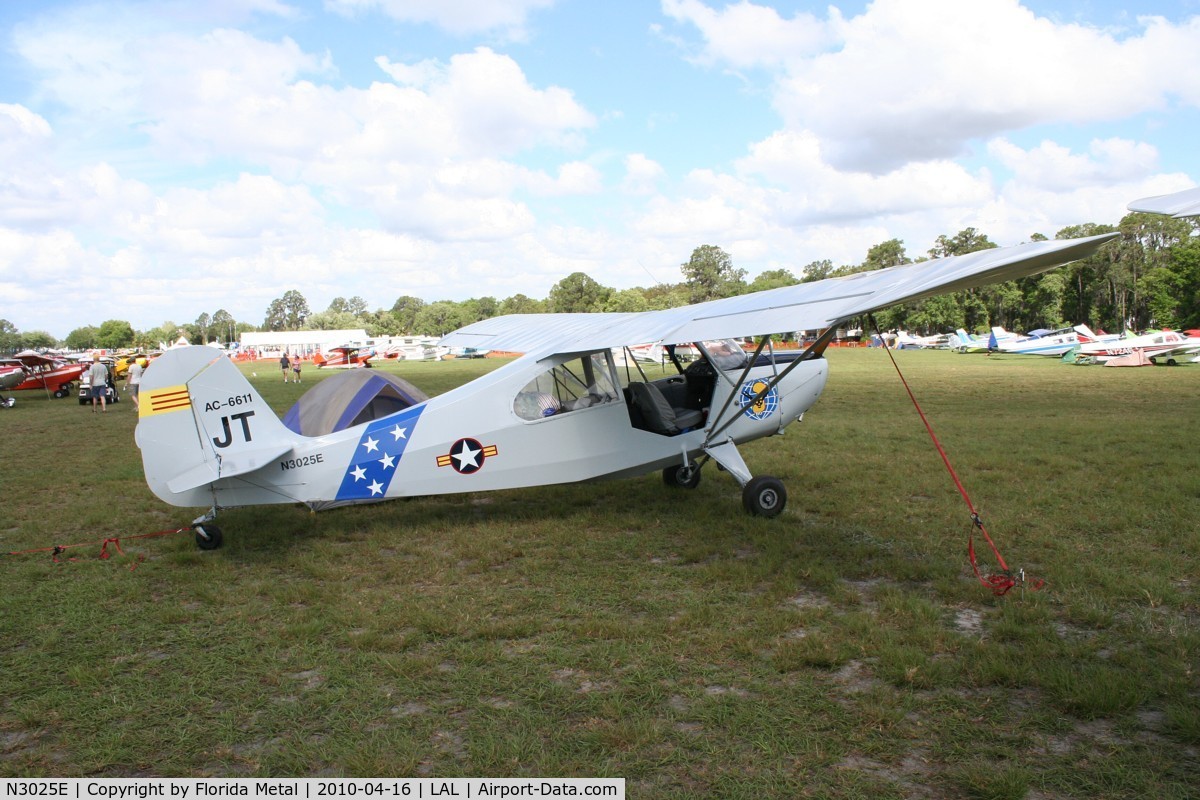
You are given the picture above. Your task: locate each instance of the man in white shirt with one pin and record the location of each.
(99, 375)
(135, 379)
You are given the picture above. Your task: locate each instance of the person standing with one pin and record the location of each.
(284, 365)
(99, 377)
(296, 368)
(134, 378)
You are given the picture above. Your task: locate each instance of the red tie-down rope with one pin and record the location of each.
(57, 550)
(1003, 581)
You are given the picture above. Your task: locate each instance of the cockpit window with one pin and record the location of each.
(570, 386)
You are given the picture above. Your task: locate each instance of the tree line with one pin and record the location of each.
(1149, 277)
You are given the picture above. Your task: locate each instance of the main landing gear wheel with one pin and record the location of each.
(764, 496)
(208, 537)
(679, 477)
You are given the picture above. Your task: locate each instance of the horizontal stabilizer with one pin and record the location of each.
(241, 462)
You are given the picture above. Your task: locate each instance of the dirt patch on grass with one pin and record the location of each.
(969, 622)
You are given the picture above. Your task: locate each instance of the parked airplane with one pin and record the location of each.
(52, 374)
(467, 352)
(1142, 350)
(904, 339)
(344, 356)
(1051, 343)
(560, 413)
(963, 342)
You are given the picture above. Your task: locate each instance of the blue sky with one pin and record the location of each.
(163, 159)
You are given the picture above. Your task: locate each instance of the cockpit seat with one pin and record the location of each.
(659, 415)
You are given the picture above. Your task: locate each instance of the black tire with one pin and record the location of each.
(679, 477)
(764, 496)
(208, 537)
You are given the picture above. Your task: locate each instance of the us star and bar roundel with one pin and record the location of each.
(467, 456)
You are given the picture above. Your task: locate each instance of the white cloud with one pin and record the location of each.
(816, 191)
(18, 124)
(744, 35)
(642, 174)
(906, 81)
(1052, 166)
(504, 17)
(489, 105)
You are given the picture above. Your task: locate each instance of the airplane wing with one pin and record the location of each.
(1178, 205)
(805, 306)
(31, 358)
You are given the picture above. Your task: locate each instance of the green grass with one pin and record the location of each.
(619, 629)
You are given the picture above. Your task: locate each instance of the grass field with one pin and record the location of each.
(619, 629)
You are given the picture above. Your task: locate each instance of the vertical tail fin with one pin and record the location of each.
(200, 420)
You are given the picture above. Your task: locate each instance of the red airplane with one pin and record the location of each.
(42, 372)
(344, 356)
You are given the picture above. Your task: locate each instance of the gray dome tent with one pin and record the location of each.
(350, 398)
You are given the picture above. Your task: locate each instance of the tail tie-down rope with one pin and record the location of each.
(999, 582)
(59, 549)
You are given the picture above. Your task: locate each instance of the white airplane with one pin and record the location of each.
(1142, 350)
(904, 339)
(963, 342)
(1051, 343)
(560, 413)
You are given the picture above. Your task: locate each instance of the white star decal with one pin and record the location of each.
(371, 444)
(359, 473)
(467, 457)
(388, 462)
(376, 488)
(399, 433)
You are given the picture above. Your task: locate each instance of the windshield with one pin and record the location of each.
(726, 354)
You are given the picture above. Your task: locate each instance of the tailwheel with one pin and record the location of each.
(764, 496)
(682, 477)
(208, 537)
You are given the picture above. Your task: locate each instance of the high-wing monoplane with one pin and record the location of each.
(344, 356)
(562, 412)
(52, 374)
